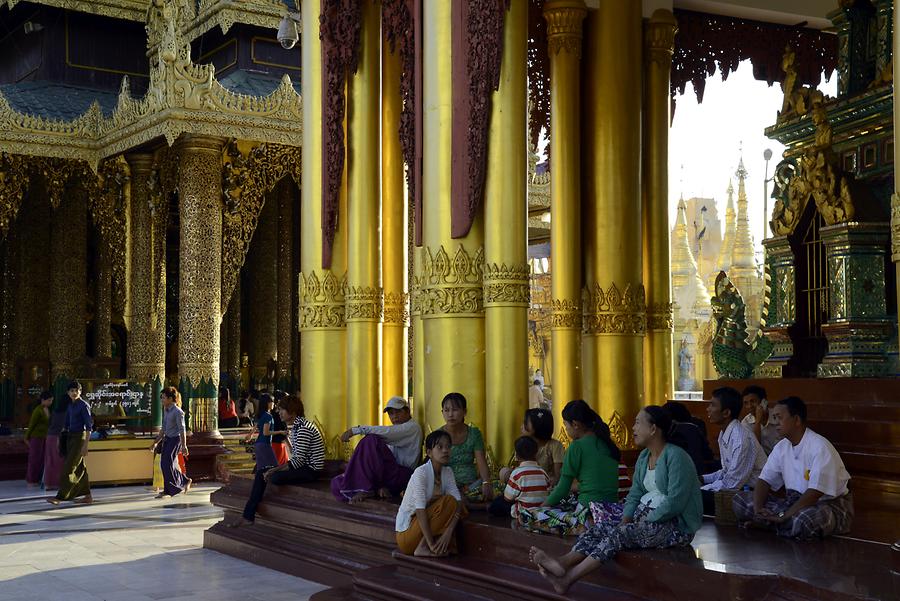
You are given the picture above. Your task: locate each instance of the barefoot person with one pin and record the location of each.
(305, 464)
(36, 438)
(74, 484)
(816, 502)
(173, 438)
(432, 505)
(663, 508)
(384, 459)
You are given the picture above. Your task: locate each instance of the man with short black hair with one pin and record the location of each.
(817, 502)
(758, 417)
(742, 456)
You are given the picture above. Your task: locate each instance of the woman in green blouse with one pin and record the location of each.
(467, 457)
(35, 437)
(592, 460)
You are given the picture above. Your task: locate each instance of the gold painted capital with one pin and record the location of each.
(507, 285)
(659, 36)
(140, 163)
(189, 143)
(322, 298)
(396, 308)
(364, 303)
(660, 317)
(565, 314)
(564, 19)
(451, 286)
(612, 311)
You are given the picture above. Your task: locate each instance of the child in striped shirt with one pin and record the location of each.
(528, 484)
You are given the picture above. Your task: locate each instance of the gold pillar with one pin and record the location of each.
(286, 198)
(103, 305)
(452, 294)
(263, 293)
(506, 270)
(33, 271)
(233, 325)
(614, 310)
(418, 339)
(394, 232)
(68, 284)
(147, 299)
(659, 42)
(322, 326)
(564, 18)
(7, 307)
(895, 197)
(365, 297)
(200, 271)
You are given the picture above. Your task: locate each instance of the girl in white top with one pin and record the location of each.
(432, 505)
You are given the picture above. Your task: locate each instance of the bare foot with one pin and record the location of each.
(384, 493)
(241, 521)
(359, 498)
(545, 562)
(560, 585)
(85, 500)
(53, 500)
(187, 487)
(162, 495)
(424, 552)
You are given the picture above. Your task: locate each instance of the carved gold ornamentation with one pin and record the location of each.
(507, 285)
(659, 37)
(13, 184)
(396, 308)
(895, 227)
(286, 327)
(322, 301)
(564, 25)
(200, 263)
(108, 204)
(798, 100)
(334, 448)
(225, 13)
(364, 303)
(565, 314)
(249, 172)
(620, 432)
(451, 286)
(660, 317)
(128, 10)
(612, 311)
(182, 97)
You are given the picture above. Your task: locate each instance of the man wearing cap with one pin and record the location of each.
(384, 459)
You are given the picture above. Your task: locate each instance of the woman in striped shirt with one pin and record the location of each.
(305, 464)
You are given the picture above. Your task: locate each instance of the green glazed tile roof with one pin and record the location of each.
(57, 101)
(250, 83)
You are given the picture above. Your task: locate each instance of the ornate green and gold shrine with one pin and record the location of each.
(832, 291)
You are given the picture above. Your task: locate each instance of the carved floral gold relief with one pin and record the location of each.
(507, 284)
(322, 300)
(614, 311)
(451, 286)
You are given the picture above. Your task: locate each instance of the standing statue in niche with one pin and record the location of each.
(685, 366)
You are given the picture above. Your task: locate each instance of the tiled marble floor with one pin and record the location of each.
(128, 546)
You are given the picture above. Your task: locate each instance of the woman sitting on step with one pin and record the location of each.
(663, 508)
(467, 459)
(305, 465)
(432, 505)
(592, 460)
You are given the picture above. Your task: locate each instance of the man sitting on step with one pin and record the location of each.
(384, 459)
(817, 501)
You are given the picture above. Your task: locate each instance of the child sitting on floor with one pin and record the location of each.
(432, 504)
(528, 484)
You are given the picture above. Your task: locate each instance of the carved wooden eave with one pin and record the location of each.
(128, 10)
(182, 98)
(225, 13)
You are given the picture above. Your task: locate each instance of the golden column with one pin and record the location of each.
(394, 232)
(322, 327)
(68, 288)
(659, 42)
(895, 197)
(506, 271)
(286, 198)
(614, 310)
(452, 295)
(262, 296)
(147, 298)
(365, 297)
(564, 18)
(233, 349)
(103, 305)
(418, 338)
(200, 271)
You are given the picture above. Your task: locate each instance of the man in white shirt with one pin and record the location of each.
(758, 418)
(742, 456)
(384, 459)
(817, 501)
(536, 396)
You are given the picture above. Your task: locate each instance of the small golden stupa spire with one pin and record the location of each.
(687, 285)
(742, 255)
(725, 252)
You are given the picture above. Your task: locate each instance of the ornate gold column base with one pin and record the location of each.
(200, 262)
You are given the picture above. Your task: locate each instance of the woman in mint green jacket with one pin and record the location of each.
(663, 508)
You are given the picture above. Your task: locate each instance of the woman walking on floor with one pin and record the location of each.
(53, 458)
(74, 483)
(36, 437)
(173, 437)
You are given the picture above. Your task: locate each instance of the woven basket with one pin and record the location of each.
(724, 508)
